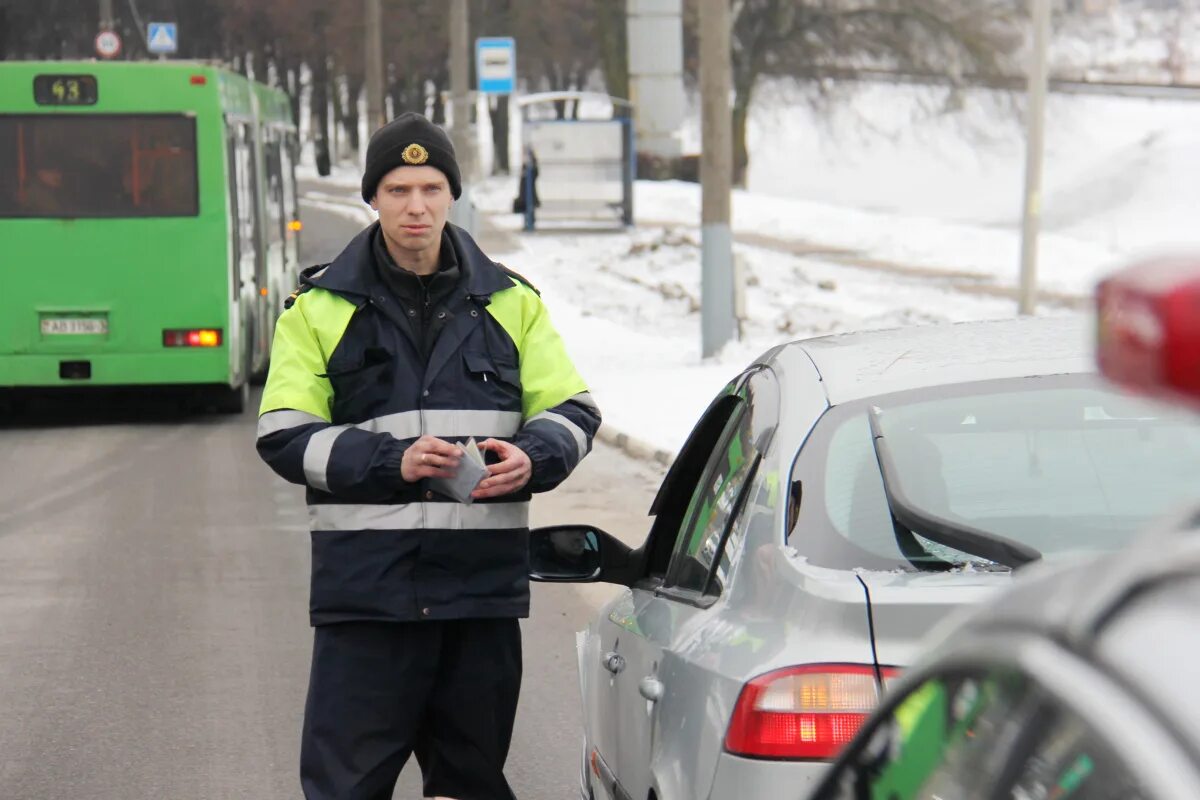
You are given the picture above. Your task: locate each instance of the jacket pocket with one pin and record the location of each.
(360, 383)
(371, 357)
(485, 366)
(494, 382)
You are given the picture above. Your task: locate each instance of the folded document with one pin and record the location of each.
(471, 470)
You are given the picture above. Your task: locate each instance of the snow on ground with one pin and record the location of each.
(890, 175)
(627, 303)
(895, 172)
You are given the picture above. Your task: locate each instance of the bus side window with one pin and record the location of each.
(253, 223)
(243, 188)
(276, 224)
(235, 212)
(291, 208)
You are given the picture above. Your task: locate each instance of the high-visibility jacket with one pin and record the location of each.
(348, 392)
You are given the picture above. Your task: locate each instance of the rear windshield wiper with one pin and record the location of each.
(909, 520)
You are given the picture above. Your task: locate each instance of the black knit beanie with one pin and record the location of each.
(409, 140)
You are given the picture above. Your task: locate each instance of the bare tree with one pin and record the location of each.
(613, 39)
(495, 18)
(558, 45)
(812, 39)
(416, 47)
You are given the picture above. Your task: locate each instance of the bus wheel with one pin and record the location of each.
(233, 401)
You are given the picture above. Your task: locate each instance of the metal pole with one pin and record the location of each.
(106, 15)
(716, 176)
(460, 71)
(1036, 123)
(374, 53)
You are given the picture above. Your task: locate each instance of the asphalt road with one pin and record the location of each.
(153, 592)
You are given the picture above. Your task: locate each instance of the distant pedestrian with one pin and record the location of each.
(411, 341)
(528, 184)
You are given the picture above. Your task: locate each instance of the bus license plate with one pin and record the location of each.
(75, 325)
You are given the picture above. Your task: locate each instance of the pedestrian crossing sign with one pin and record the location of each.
(161, 37)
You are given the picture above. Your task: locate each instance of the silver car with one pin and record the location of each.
(837, 499)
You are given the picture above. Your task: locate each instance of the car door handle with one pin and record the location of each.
(614, 662)
(650, 688)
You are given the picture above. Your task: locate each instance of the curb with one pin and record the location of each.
(633, 447)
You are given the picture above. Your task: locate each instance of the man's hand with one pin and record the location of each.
(509, 475)
(429, 457)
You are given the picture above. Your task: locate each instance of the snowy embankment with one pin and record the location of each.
(883, 214)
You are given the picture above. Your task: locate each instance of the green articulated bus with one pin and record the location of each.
(148, 226)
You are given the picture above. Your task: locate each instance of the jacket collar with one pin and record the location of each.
(352, 273)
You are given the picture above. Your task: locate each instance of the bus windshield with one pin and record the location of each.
(76, 165)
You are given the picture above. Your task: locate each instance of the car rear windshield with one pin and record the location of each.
(88, 165)
(1064, 464)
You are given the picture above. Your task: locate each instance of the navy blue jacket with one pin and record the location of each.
(349, 391)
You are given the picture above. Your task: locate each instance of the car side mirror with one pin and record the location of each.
(576, 554)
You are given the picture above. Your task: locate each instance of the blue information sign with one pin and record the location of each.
(496, 65)
(161, 37)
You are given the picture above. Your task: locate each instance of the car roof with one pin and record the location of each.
(865, 364)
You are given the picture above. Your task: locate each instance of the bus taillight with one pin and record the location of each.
(200, 337)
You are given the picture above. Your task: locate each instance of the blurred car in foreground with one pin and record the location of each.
(836, 500)
(1079, 682)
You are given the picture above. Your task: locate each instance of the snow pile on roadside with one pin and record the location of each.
(1121, 176)
(628, 305)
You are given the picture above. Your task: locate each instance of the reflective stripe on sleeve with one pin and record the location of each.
(275, 421)
(410, 516)
(446, 423)
(316, 456)
(581, 440)
(585, 399)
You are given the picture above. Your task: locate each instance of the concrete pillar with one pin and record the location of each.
(655, 29)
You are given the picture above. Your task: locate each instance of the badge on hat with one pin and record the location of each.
(415, 155)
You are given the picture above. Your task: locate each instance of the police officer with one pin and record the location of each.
(409, 342)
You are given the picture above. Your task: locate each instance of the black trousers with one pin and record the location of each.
(380, 691)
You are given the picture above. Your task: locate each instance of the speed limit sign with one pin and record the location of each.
(108, 44)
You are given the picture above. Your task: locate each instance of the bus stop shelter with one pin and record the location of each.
(579, 169)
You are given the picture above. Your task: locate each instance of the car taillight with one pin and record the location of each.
(804, 712)
(201, 337)
(1148, 328)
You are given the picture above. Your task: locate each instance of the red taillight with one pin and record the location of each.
(200, 337)
(1148, 328)
(805, 712)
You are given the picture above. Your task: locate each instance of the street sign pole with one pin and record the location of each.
(106, 15)
(717, 311)
(460, 67)
(374, 65)
(1035, 123)
(108, 43)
